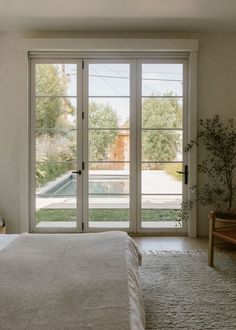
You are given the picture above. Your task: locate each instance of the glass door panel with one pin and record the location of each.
(161, 144)
(55, 102)
(108, 145)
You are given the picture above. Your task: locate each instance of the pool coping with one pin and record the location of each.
(51, 184)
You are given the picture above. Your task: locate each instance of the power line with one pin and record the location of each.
(148, 87)
(122, 77)
(112, 87)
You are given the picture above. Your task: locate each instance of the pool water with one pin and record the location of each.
(97, 185)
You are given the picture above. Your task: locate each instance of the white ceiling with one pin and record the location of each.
(118, 15)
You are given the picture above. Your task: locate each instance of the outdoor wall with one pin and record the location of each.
(216, 94)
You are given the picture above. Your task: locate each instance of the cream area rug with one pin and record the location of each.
(181, 292)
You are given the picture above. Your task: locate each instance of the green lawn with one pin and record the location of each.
(105, 215)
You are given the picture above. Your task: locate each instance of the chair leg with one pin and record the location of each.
(211, 250)
(211, 239)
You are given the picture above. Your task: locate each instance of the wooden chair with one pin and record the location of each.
(226, 231)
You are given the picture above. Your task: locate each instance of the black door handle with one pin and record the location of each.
(77, 172)
(185, 173)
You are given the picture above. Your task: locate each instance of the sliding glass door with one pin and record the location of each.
(107, 138)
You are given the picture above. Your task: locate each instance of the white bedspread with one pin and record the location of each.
(71, 281)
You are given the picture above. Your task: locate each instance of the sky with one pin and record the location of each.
(110, 83)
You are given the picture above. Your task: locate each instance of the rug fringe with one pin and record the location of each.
(174, 252)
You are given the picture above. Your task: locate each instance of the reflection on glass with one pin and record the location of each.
(111, 145)
(162, 113)
(53, 113)
(162, 79)
(161, 145)
(109, 79)
(55, 79)
(109, 112)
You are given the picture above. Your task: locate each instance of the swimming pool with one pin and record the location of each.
(99, 185)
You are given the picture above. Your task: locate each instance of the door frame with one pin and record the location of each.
(192, 129)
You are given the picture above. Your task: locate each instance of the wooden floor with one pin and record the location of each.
(177, 243)
(154, 243)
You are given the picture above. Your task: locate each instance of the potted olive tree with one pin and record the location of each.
(218, 138)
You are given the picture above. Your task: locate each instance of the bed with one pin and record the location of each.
(71, 281)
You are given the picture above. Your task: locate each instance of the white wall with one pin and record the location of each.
(216, 94)
(9, 133)
(216, 88)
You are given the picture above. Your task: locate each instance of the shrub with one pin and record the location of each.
(172, 168)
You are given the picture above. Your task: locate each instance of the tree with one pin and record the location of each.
(50, 81)
(218, 189)
(161, 113)
(218, 167)
(55, 141)
(101, 116)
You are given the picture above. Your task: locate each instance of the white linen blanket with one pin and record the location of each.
(70, 281)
